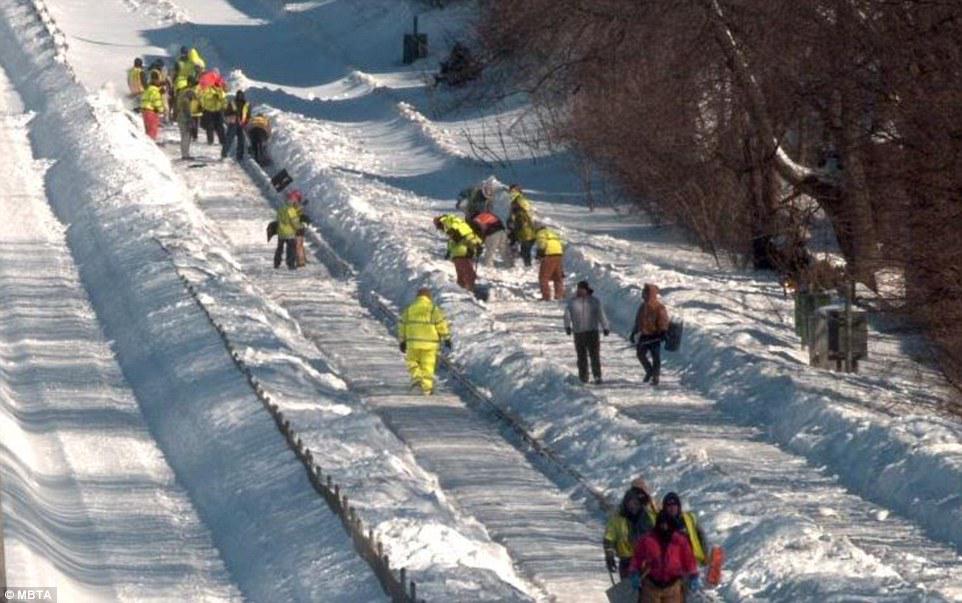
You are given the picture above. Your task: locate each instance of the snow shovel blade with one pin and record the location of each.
(280, 180)
(622, 593)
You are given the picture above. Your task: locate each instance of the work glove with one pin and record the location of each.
(694, 584)
(403, 346)
(610, 562)
(606, 332)
(636, 581)
(447, 343)
(567, 331)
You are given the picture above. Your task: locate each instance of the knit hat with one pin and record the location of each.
(295, 196)
(671, 498)
(584, 285)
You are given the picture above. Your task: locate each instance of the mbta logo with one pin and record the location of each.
(29, 593)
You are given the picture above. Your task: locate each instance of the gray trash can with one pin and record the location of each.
(806, 303)
(830, 343)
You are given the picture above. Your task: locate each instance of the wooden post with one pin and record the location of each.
(849, 352)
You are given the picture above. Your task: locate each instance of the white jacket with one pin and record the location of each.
(585, 314)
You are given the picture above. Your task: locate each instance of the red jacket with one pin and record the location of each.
(664, 566)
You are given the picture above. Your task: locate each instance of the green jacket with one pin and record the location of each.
(522, 218)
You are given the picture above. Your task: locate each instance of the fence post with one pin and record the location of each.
(3, 563)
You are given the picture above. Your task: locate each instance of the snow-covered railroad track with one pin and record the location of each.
(712, 459)
(552, 540)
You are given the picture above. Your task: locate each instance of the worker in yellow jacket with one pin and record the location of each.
(152, 107)
(189, 66)
(463, 246)
(136, 79)
(213, 101)
(420, 332)
(551, 249)
(289, 221)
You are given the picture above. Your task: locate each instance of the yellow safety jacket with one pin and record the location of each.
(213, 99)
(463, 242)
(195, 108)
(423, 325)
(135, 80)
(691, 526)
(153, 100)
(288, 221)
(549, 243)
(522, 218)
(618, 534)
(188, 68)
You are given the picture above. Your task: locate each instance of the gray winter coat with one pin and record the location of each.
(584, 314)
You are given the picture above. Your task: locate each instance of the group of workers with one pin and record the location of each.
(493, 229)
(496, 227)
(658, 550)
(196, 97)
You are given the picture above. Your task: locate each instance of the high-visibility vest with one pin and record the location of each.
(212, 99)
(288, 221)
(618, 533)
(462, 240)
(135, 80)
(153, 100)
(522, 218)
(549, 242)
(195, 109)
(691, 526)
(423, 325)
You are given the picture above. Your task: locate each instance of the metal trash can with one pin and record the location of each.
(806, 303)
(415, 45)
(830, 342)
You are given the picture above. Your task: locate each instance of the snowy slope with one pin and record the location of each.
(821, 488)
(89, 503)
(276, 538)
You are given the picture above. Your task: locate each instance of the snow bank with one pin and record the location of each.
(369, 224)
(898, 462)
(118, 192)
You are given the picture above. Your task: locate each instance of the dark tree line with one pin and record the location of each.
(738, 118)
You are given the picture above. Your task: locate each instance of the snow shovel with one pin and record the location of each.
(622, 592)
(280, 180)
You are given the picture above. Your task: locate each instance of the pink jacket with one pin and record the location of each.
(674, 562)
